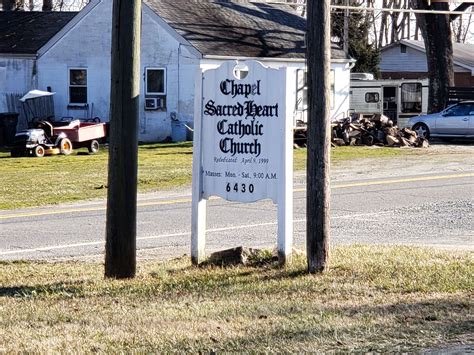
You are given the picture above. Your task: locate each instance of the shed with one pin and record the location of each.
(407, 60)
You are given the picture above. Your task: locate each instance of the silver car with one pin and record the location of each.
(456, 121)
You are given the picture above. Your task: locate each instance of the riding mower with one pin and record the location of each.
(40, 141)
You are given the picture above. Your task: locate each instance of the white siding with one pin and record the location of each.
(159, 49)
(16, 76)
(87, 45)
(392, 61)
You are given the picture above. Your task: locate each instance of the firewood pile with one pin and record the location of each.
(377, 130)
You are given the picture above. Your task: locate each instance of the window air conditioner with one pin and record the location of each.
(151, 104)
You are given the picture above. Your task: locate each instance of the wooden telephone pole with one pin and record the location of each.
(120, 247)
(318, 189)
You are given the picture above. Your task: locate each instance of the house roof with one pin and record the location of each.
(228, 28)
(25, 32)
(238, 28)
(463, 53)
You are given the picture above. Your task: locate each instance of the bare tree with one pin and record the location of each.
(461, 27)
(437, 35)
(47, 5)
(12, 5)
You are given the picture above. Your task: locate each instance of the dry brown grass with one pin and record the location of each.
(372, 299)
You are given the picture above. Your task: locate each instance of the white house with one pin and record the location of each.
(179, 39)
(22, 34)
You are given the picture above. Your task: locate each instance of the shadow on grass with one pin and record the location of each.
(52, 290)
(174, 153)
(239, 274)
(157, 146)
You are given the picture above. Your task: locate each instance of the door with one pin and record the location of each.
(454, 120)
(390, 102)
(471, 120)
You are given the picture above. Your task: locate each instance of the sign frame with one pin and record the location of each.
(284, 146)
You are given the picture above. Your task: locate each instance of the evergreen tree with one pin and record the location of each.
(359, 47)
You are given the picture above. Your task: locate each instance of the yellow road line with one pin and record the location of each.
(90, 209)
(397, 181)
(187, 200)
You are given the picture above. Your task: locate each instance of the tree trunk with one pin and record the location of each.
(120, 247)
(437, 35)
(8, 5)
(318, 190)
(383, 26)
(417, 31)
(47, 5)
(11, 5)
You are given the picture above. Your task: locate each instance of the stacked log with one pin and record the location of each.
(377, 130)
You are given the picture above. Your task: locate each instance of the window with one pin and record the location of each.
(411, 98)
(403, 48)
(301, 90)
(459, 110)
(78, 86)
(372, 97)
(155, 81)
(333, 88)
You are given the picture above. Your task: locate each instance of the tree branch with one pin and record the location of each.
(463, 7)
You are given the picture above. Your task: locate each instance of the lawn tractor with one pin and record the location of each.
(41, 141)
(48, 137)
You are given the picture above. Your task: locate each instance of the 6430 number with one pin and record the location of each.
(236, 187)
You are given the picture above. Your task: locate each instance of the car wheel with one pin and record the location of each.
(38, 152)
(421, 130)
(93, 146)
(65, 146)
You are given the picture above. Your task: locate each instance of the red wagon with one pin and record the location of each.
(83, 134)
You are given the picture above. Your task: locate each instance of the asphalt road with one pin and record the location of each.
(402, 207)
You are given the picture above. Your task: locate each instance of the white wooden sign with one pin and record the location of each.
(243, 145)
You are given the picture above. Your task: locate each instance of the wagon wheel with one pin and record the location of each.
(39, 151)
(93, 146)
(15, 153)
(65, 146)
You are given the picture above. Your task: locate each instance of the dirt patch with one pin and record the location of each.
(438, 158)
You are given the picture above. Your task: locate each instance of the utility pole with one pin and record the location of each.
(318, 189)
(120, 246)
(346, 29)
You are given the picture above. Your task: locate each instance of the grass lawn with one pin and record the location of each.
(373, 299)
(28, 182)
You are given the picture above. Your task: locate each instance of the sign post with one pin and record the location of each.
(243, 147)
